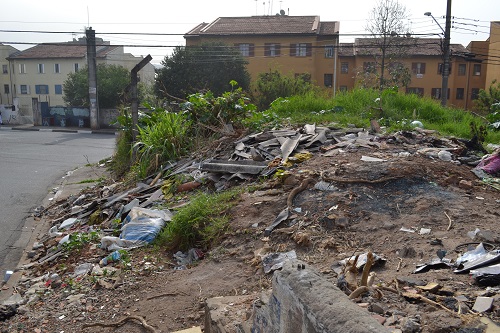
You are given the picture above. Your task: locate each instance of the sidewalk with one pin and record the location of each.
(30, 127)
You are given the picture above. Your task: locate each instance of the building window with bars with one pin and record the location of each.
(460, 93)
(41, 68)
(328, 80)
(329, 51)
(272, 50)
(462, 68)
(344, 68)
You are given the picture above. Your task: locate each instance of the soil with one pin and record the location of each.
(364, 209)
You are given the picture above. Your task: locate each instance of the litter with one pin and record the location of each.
(68, 223)
(371, 159)
(480, 261)
(275, 261)
(434, 264)
(362, 259)
(283, 215)
(487, 276)
(184, 259)
(83, 269)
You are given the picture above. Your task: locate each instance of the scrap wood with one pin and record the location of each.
(430, 302)
(449, 218)
(123, 321)
(297, 190)
(366, 269)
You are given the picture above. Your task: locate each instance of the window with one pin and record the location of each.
(328, 80)
(436, 93)
(76, 67)
(58, 89)
(460, 93)
(6, 89)
(369, 67)
(57, 68)
(41, 89)
(247, 50)
(344, 68)
(25, 89)
(329, 51)
(461, 69)
(41, 68)
(5, 69)
(272, 50)
(300, 50)
(418, 68)
(343, 88)
(416, 91)
(441, 68)
(22, 68)
(477, 70)
(474, 93)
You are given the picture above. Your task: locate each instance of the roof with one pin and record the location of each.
(412, 46)
(61, 50)
(265, 25)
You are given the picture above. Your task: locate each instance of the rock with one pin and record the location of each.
(465, 185)
(411, 281)
(14, 300)
(445, 155)
(377, 308)
(7, 311)
(482, 304)
(409, 325)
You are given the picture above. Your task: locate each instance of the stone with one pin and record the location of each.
(483, 304)
(465, 185)
(377, 308)
(411, 281)
(15, 299)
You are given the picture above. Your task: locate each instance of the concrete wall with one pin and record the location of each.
(302, 301)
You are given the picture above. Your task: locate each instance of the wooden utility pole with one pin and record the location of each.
(92, 66)
(133, 94)
(446, 51)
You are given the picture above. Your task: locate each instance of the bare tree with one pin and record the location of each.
(387, 25)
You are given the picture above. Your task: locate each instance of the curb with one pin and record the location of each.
(58, 130)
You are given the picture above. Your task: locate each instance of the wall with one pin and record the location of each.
(493, 71)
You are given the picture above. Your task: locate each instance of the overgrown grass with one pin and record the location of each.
(201, 223)
(395, 111)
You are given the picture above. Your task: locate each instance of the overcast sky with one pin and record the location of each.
(471, 18)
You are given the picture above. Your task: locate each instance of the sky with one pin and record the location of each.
(68, 19)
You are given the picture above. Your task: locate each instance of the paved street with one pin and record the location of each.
(31, 162)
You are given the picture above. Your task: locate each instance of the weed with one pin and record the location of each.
(77, 240)
(201, 223)
(86, 181)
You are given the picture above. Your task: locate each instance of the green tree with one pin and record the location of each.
(111, 83)
(272, 85)
(487, 100)
(201, 68)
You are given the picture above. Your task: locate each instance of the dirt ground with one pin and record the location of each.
(364, 209)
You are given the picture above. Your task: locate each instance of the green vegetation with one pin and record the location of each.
(201, 223)
(87, 181)
(112, 82)
(200, 68)
(77, 240)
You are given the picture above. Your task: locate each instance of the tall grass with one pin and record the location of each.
(394, 110)
(166, 139)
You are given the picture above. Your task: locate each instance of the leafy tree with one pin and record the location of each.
(201, 68)
(111, 83)
(272, 85)
(387, 24)
(489, 102)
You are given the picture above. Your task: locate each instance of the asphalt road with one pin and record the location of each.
(31, 164)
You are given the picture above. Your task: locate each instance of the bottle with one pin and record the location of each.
(113, 257)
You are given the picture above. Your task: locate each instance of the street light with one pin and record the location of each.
(446, 52)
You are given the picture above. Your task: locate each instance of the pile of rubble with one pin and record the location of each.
(102, 225)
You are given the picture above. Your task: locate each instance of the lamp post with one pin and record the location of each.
(446, 52)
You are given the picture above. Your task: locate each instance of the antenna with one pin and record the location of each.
(88, 17)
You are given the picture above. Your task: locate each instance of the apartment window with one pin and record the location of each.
(58, 89)
(416, 91)
(6, 89)
(369, 67)
(41, 89)
(5, 69)
(328, 80)
(246, 50)
(462, 69)
(344, 68)
(57, 68)
(272, 50)
(418, 68)
(41, 68)
(477, 70)
(22, 68)
(441, 68)
(25, 89)
(436, 93)
(474, 93)
(460, 93)
(343, 88)
(329, 51)
(76, 67)
(300, 50)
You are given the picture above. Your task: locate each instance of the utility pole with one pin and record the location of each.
(133, 94)
(446, 51)
(92, 66)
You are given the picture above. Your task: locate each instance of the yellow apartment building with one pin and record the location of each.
(37, 74)
(304, 44)
(493, 53)
(290, 44)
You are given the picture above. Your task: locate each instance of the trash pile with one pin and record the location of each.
(333, 192)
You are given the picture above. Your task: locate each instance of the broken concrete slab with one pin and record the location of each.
(228, 313)
(483, 304)
(245, 166)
